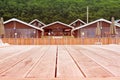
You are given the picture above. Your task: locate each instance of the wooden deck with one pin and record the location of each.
(60, 62)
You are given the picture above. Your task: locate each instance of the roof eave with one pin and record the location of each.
(92, 23)
(76, 21)
(55, 23)
(14, 19)
(37, 21)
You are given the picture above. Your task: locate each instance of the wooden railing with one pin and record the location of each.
(60, 41)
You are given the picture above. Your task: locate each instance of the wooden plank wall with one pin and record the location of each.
(60, 41)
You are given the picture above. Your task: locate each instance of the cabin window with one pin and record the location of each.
(91, 33)
(20, 33)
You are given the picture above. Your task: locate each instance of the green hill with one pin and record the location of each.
(66, 11)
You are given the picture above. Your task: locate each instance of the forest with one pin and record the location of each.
(65, 11)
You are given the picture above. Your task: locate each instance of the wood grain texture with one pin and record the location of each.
(87, 65)
(66, 65)
(45, 68)
(60, 62)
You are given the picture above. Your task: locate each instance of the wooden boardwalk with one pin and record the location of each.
(60, 62)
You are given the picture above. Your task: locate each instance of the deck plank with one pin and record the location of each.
(11, 61)
(104, 58)
(8, 51)
(20, 69)
(88, 66)
(115, 48)
(66, 66)
(39, 62)
(46, 66)
(109, 78)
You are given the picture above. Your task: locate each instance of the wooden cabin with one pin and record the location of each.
(19, 29)
(89, 30)
(37, 23)
(77, 23)
(57, 29)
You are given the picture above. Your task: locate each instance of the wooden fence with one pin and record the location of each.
(60, 41)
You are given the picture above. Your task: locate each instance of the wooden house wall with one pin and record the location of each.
(118, 31)
(90, 30)
(22, 31)
(57, 30)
